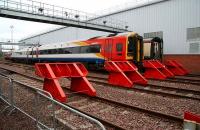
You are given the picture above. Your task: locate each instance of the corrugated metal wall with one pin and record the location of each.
(172, 17)
(62, 35)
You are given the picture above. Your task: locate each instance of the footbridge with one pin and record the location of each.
(40, 12)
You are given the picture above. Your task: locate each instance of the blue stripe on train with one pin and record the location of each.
(91, 60)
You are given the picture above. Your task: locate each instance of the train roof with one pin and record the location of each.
(111, 35)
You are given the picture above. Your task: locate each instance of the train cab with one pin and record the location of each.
(121, 47)
(153, 48)
(135, 48)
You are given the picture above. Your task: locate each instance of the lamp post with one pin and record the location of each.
(11, 28)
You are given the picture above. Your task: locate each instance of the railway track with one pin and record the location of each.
(183, 80)
(195, 79)
(193, 75)
(155, 89)
(126, 105)
(123, 107)
(151, 88)
(189, 79)
(106, 103)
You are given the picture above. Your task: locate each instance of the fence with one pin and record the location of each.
(36, 104)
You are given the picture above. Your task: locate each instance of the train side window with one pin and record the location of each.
(55, 51)
(84, 49)
(94, 49)
(60, 51)
(40, 52)
(45, 51)
(34, 52)
(49, 51)
(20, 53)
(119, 47)
(67, 51)
(131, 44)
(75, 50)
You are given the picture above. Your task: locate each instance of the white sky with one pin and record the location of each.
(26, 28)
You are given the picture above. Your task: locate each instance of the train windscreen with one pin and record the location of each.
(135, 48)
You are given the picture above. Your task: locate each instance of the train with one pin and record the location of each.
(153, 48)
(92, 52)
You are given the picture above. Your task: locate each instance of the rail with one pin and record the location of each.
(8, 93)
(43, 9)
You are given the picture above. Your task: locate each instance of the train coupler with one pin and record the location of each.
(52, 72)
(154, 69)
(124, 74)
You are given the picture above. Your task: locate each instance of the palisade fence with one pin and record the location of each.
(36, 104)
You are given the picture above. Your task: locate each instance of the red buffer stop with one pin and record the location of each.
(124, 74)
(176, 68)
(154, 69)
(51, 72)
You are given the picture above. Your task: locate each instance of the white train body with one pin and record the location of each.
(43, 53)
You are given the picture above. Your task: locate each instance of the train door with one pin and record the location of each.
(27, 55)
(108, 49)
(157, 51)
(118, 49)
(32, 53)
(157, 48)
(37, 52)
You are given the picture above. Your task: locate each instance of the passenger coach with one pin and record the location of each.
(94, 51)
